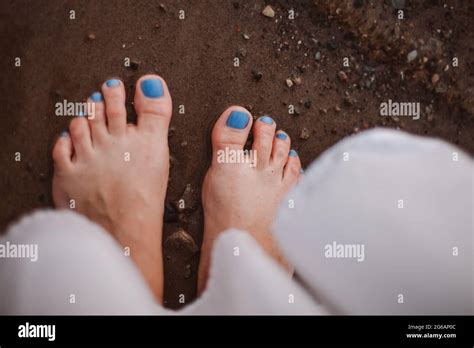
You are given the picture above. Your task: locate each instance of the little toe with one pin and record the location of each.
(62, 152)
(292, 169)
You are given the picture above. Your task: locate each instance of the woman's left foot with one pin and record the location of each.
(246, 194)
(116, 173)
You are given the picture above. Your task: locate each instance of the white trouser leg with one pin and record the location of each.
(80, 269)
(243, 279)
(408, 202)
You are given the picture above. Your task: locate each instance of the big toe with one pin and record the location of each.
(153, 104)
(231, 130)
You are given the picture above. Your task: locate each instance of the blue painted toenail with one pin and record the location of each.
(64, 133)
(112, 83)
(96, 97)
(266, 119)
(293, 153)
(152, 88)
(301, 171)
(281, 136)
(238, 120)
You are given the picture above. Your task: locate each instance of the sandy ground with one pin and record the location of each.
(68, 59)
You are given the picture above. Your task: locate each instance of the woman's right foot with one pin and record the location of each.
(116, 173)
(245, 195)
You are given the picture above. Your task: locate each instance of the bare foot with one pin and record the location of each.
(116, 173)
(244, 195)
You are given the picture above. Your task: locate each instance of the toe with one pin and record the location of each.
(62, 152)
(114, 96)
(80, 136)
(96, 115)
(153, 104)
(292, 169)
(231, 130)
(263, 134)
(280, 150)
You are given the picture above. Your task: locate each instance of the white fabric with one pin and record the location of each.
(246, 281)
(75, 257)
(409, 250)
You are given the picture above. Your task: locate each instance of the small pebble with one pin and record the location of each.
(301, 68)
(317, 56)
(257, 75)
(298, 81)
(242, 52)
(289, 83)
(91, 36)
(434, 79)
(246, 37)
(342, 76)
(305, 134)
(268, 12)
(412, 56)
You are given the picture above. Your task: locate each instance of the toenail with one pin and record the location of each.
(64, 133)
(238, 120)
(266, 119)
(281, 136)
(112, 83)
(301, 171)
(81, 114)
(152, 88)
(293, 153)
(96, 97)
